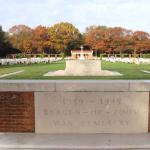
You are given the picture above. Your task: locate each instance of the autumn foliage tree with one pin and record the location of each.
(21, 38)
(141, 42)
(64, 36)
(95, 37)
(109, 40)
(19, 28)
(117, 40)
(40, 39)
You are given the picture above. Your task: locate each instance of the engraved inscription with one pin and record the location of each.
(92, 112)
(104, 110)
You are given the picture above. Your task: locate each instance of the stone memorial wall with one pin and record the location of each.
(75, 106)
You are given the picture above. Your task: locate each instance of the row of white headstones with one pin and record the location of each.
(128, 60)
(27, 61)
(49, 60)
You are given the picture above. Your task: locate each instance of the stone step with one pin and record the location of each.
(74, 149)
(74, 142)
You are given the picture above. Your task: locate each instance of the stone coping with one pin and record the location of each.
(75, 85)
(74, 142)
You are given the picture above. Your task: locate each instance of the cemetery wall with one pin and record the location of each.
(87, 106)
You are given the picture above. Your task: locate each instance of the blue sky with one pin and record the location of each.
(131, 14)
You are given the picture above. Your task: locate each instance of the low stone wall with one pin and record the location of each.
(87, 106)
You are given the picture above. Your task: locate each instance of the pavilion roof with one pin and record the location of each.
(79, 51)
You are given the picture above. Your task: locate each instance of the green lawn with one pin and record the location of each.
(36, 71)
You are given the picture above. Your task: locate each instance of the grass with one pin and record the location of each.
(36, 71)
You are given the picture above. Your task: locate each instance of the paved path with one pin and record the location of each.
(9, 74)
(146, 71)
(74, 142)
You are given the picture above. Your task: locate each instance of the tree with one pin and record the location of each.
(64, 36)
(118, 39)
(141, 42)
(95, 37)
(5, 46)
(109, 40)
(19, 28)
(21, 38)
(40, 39)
